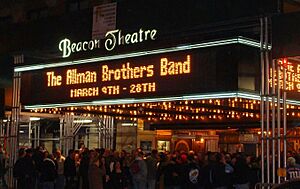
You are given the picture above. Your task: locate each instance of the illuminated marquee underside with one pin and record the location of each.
(243, 95)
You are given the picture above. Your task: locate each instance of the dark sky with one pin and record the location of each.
(6, 71)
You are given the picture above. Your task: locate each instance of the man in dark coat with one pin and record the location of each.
(70, 170)
(48, 173)
(24, 171)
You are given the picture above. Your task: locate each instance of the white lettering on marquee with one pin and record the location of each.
(113, 38)
(67, 47)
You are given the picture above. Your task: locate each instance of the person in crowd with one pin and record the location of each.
(118, 177)
(254, 170)
(138, 170)
(96, 173)
(107, 158)
(83, 169)
(171, 173)
(161, 166)
(3, 167)
(21, 173)
(123, 157)
(110, 163)
(293, 169)
(77, 164)
(38, 157)
(209, 163)
(220, 173)
(30, 167)
(241, 173)
(126, 169)
(48, 172)
(151, 162)
(60, 160)
(190, 172)
(70, 170)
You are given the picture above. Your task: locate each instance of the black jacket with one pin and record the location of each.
(48, 173)
(69, 167)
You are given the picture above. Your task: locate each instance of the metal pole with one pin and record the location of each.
(29, 133)
(35, 133)
(278, 118)
(267, 99)
(99, 133)
(13, 134)
(38, 134)
(61, 123)
(262, 100)
(273, 122)
(284, 118)
(112, 132)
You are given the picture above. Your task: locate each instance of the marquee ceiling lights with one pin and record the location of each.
(237, 40)
(235, 109)
(223, 95)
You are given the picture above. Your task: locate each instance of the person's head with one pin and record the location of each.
(190, 157)
(140, 154)
(291, 162)
(45, 154)
(92, 154)
(116, 154)
(227, 158)
(71, 154)
(154, 153)
(117, 165)
(28, 152)
(22, 152)
(220, 158)
(58, 153)
(183, 158)
(95, 160)
(123, 153)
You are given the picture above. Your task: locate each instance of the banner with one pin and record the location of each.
(104, 19)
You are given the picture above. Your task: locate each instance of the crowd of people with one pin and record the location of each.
(107, 169)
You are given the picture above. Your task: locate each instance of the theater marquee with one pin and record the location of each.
(150, 76)
(130, 78)
(102, 76)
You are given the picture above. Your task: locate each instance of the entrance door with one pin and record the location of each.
(183, 145)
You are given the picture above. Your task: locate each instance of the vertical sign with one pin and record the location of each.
(104, 20)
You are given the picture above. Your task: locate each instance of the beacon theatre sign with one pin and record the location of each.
(154, 75)
(112, 39)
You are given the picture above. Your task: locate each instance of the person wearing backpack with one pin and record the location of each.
(138, 170)
(191, 172)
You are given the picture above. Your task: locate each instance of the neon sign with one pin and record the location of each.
(67, 47)
(104, 74)
(112, 39)
(115, 37)
(292, 76)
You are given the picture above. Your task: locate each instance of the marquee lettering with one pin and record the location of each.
(112, 39)
(115, 37)
(106, 79)
(174, 68)
(67, 47)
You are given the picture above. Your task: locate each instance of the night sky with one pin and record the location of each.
(6, 71)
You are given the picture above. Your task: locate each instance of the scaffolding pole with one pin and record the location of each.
(13, 130)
